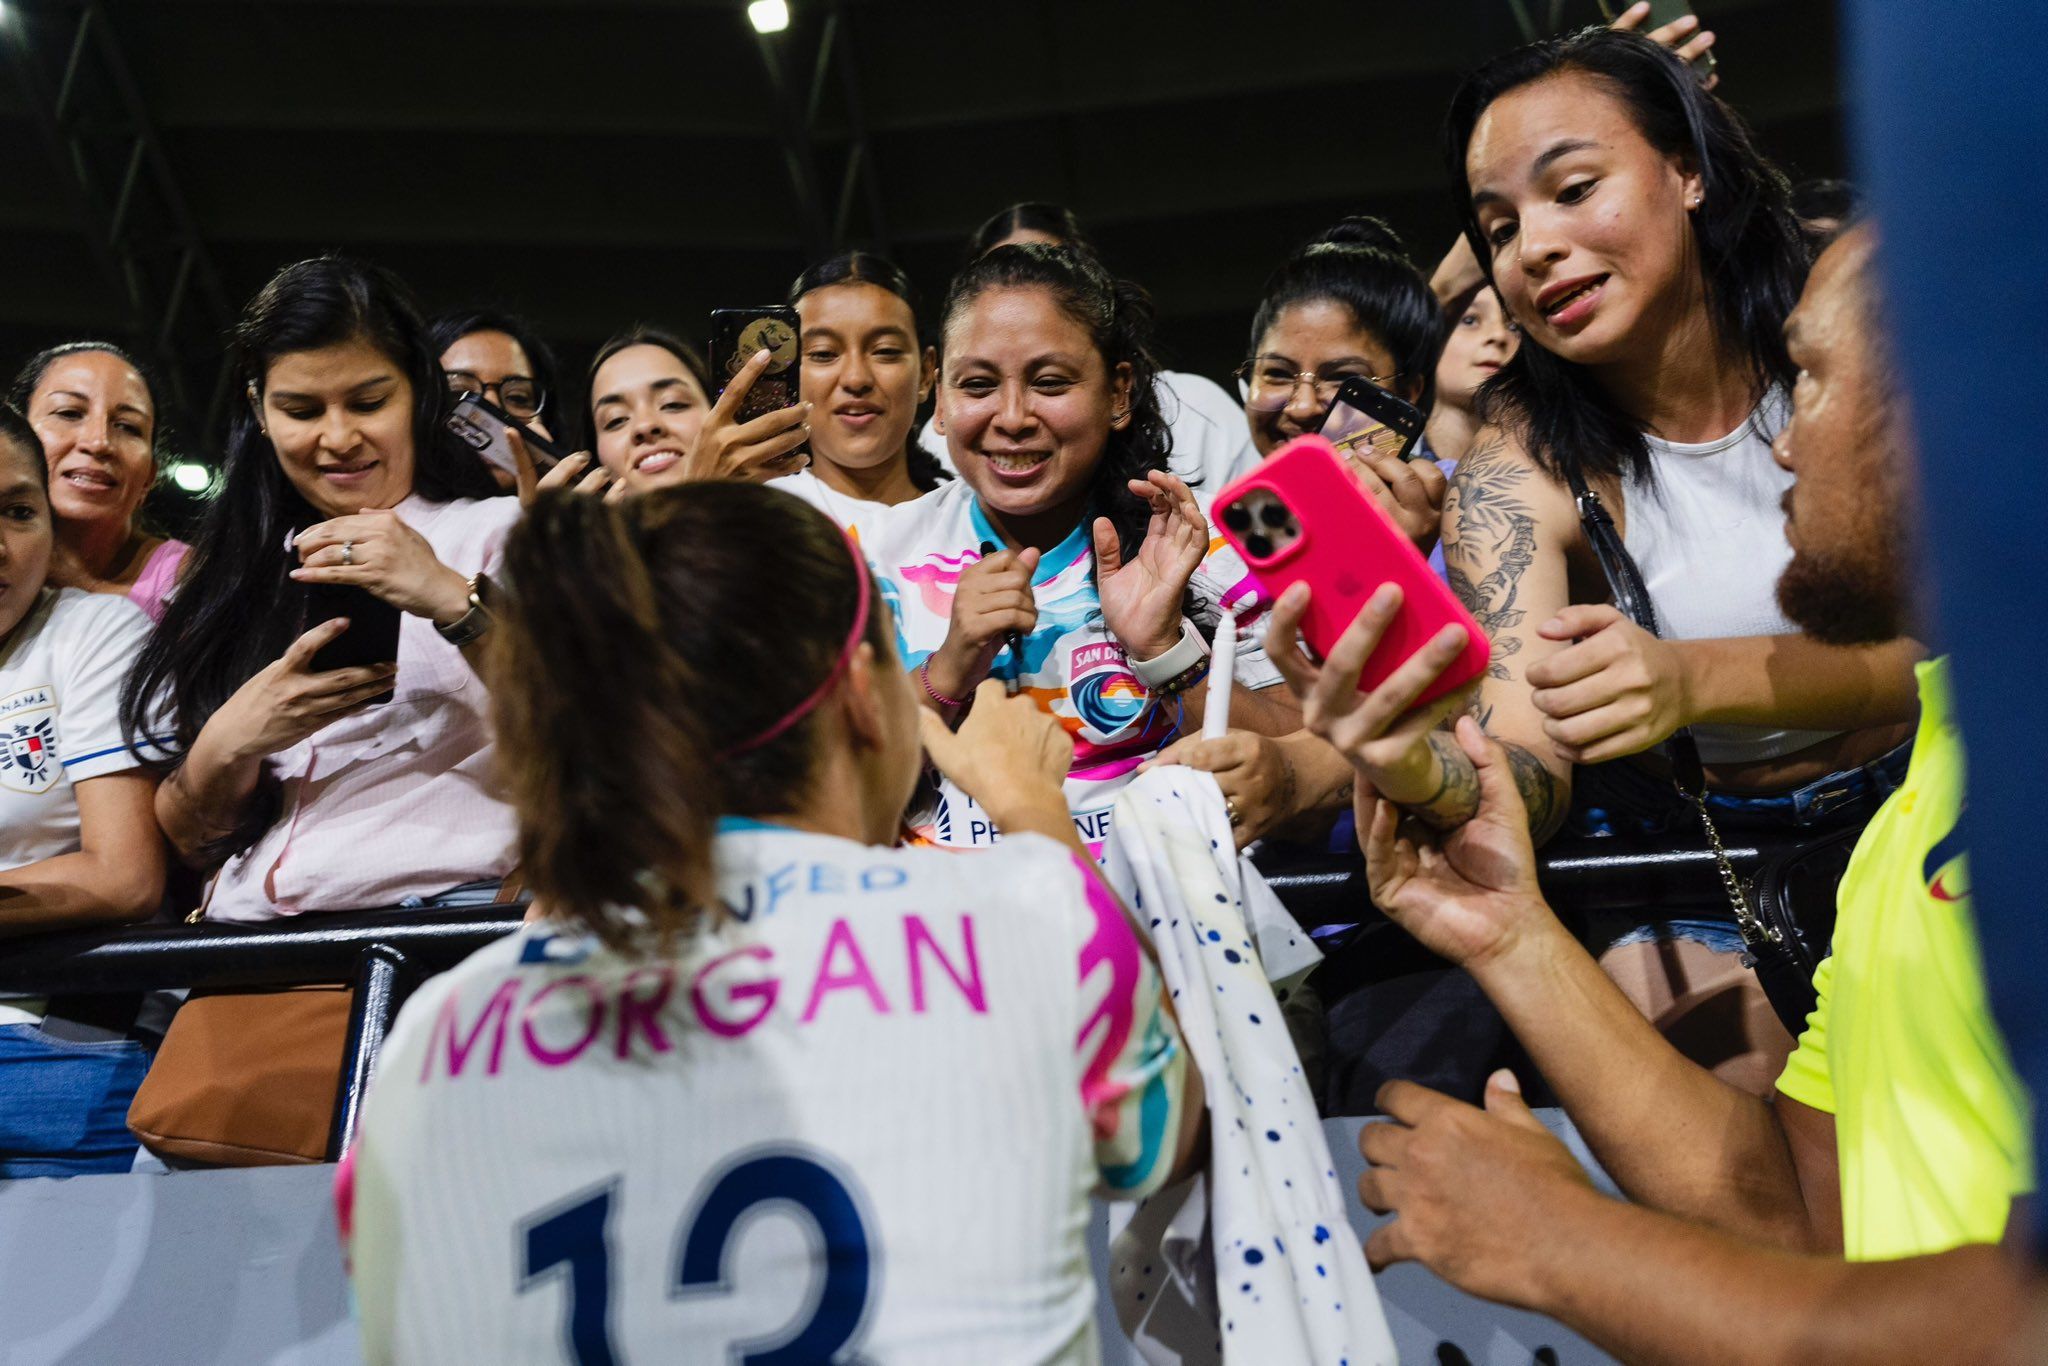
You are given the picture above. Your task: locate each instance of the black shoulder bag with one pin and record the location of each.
(1785, 942)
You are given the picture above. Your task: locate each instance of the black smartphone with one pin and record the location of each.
(736, 334)
(1366, 418)
(482, 424)
(372, 634)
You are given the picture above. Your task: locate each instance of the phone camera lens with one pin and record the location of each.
(1272, 514)
(1237, 519)
(1260, 546)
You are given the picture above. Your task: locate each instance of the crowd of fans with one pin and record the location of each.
(706, 644)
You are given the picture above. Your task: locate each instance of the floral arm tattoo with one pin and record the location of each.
(1489, 543)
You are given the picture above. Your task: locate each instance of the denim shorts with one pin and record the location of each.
(64, 1099)
(1625, 801)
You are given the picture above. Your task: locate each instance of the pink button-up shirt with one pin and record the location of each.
(399, 800)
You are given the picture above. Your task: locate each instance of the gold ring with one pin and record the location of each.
(1230, 810)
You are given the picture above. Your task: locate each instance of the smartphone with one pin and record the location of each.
(1301, 518)
(736, 334)
(482, 424)
(1365, 419)
(372, 634)
(1663, 12)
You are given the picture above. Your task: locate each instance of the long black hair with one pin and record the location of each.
(1362, 264)
(557, 412)
(866, 268)
(1752, 257)
(1118, 317)
(235, 610)
(1056, 221)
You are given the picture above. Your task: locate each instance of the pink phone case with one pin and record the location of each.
(1347, 549)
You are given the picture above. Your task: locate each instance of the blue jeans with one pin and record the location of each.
(64, 1101)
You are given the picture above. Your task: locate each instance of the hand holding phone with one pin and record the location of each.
(1301, 518)
(737, 335)
(488, 430)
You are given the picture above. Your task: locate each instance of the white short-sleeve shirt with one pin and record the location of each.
(61, 673)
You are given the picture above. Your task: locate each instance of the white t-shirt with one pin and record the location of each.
(61, 673)
(1212, 442)
(1072, 665)
(861, 1115)
(845, 510)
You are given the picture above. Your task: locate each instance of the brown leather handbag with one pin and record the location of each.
(246, 1078)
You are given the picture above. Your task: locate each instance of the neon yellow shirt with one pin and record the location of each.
(1930, 1119)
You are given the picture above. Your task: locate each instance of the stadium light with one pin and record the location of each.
(188, 475)
(767, 16)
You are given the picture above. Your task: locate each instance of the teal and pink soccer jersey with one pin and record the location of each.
(1071, 664)
(862, 1115)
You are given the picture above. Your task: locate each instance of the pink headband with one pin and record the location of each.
(853, 638)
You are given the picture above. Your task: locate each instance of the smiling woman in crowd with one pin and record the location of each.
(864, 375)
(95, 412)
(340, 471)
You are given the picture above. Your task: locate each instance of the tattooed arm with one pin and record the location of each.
(1506, 528)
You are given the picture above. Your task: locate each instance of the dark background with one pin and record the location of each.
(592, 163)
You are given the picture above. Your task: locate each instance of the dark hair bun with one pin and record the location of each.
(1362, 230)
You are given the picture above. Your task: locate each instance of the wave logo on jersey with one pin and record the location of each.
(936, 578)
(1105, 694)
(1944, 871)
(29, 763)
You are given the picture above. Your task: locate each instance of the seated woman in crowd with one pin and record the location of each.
(1209, 444)
(295, 786)
(1065, 561)
(864, 376)
(78, 841)
(653, 423)
(95, 411)
(743, 1008)
(502, 358)
(1648, 253)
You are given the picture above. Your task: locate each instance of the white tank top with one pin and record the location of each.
(1709, 536)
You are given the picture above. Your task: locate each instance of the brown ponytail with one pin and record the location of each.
(641, 642)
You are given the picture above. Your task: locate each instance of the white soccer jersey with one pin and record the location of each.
(858, 1119)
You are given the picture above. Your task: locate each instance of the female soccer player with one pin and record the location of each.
(758, 1083)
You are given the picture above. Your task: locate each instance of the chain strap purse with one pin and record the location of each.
(1784, 942)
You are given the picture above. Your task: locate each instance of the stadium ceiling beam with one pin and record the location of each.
(125, 194)
(827, 225)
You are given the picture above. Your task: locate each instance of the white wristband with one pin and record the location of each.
(1190, 651)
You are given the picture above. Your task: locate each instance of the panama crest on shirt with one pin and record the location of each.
(28, 728)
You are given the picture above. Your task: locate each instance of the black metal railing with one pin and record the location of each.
(385, 954)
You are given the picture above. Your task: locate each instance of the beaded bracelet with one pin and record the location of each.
(924, 676)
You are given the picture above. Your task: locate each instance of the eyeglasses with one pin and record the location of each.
(516, 394)
(1270, 386)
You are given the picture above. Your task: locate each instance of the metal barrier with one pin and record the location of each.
(387, 953)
